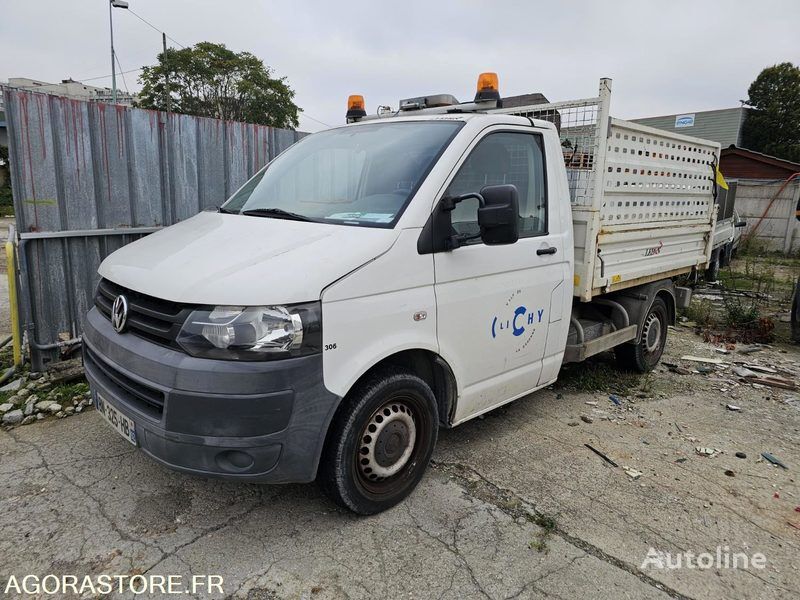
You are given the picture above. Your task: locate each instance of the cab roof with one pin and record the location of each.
(490, 118)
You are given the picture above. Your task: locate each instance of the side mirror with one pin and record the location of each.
(498, 215)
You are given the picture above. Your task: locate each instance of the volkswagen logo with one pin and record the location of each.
(119, 314)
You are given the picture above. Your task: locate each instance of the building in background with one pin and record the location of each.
(741, 163)
(723, 126)
(70, 88)
(767, 197)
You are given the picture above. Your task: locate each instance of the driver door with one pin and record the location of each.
(493, 302)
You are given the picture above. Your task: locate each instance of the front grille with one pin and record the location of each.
(147, 399)
(151, 318)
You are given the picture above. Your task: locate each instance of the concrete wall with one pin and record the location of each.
(779, 229)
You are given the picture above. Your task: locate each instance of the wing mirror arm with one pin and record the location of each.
(498, 219)
(448, 204)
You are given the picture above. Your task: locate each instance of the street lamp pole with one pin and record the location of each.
(112, 4)
(113, 68)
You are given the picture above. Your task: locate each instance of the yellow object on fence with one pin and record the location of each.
(720, 179)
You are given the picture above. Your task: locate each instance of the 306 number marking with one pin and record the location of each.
(330, 347)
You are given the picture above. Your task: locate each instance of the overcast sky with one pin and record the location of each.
(664, 56)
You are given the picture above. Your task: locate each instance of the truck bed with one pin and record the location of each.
(642, 198)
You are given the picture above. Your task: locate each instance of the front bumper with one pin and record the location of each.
(252, 421)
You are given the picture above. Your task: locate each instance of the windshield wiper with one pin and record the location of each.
(276, 213)
(222, 209)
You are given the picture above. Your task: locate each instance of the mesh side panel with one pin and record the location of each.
(653, 177)
(577, 125)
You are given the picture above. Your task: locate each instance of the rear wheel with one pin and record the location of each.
(712, 272)
(644, 355)
(725, 255)
(380, 442)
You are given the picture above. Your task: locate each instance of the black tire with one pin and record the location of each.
(644, 355)
(370, 473)
(726, 253)
(712, 272)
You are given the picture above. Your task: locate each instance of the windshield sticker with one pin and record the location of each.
(346, 216)
(358, 216)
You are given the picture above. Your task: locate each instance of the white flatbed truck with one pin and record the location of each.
(403, 272)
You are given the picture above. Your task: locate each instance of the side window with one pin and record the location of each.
(501, 158)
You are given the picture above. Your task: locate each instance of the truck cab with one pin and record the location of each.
(372, 283)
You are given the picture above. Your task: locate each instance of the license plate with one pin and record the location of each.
(124, 426)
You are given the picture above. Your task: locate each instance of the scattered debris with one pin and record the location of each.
(591, 403)
(13, 417)
(730, 473)
(751, 349)
(742, 372)
(740, 455)
(710, 452)
(615, 399)
(573, 423)
(759, 368)
(601, 455)
(774, 460)
(771, 381)
(632, 473)
(733, 407)
(677, 368)
(681, 459)
(700, 359)
(13, 386)
(587, 419)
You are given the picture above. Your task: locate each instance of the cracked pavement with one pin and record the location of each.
(513, 506)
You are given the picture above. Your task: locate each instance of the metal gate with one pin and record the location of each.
(89, 178)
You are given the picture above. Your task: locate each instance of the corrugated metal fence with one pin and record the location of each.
(89, 178)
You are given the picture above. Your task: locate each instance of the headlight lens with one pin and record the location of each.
(253, 332)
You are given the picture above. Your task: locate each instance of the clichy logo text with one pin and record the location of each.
(517, 322)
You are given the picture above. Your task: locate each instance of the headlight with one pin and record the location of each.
(253, 332)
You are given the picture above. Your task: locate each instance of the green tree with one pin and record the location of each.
(773, 126)
(209, 80)
(6, 200)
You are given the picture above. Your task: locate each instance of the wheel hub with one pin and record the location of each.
(651, 333)
(387, 441)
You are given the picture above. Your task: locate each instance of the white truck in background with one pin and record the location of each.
(727, 231)
(402, 273)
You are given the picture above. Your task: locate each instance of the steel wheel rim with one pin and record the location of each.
(651, 334)
(387, 442)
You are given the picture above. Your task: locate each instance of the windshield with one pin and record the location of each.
(363, 175)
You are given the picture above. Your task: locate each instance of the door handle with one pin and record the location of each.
(551, 250)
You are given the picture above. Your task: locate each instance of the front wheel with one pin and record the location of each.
(644, 355)
(380, 442)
